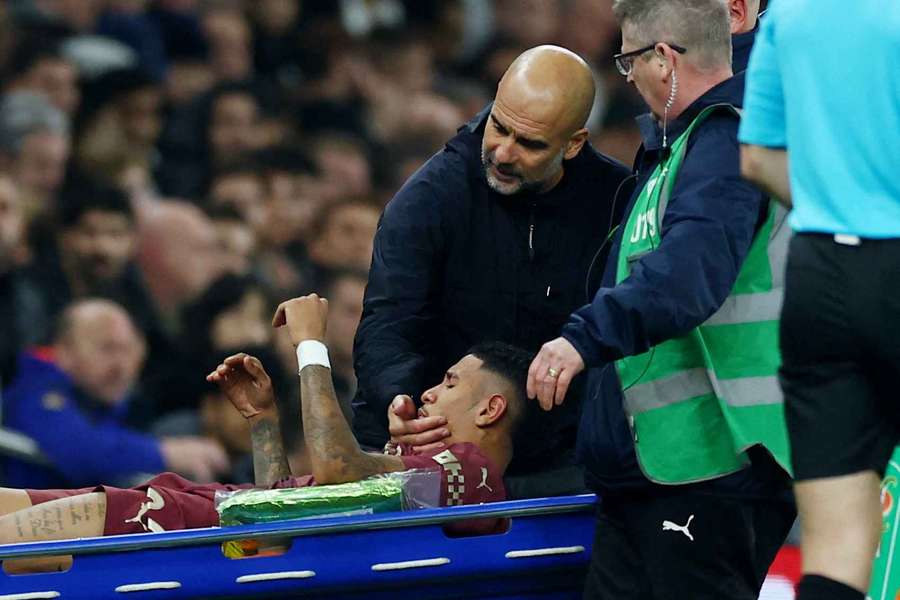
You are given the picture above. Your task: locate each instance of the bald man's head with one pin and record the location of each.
(178, 252)
(542, 104)
(99, 347)
(554, 80)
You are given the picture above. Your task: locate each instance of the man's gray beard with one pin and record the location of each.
(523, 187)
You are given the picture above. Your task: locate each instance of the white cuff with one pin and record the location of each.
(312, 352)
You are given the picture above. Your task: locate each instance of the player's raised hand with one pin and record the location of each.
(244, 381)
(305, 318)
(424, 434)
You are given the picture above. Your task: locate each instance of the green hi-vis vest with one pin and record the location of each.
(698, 402)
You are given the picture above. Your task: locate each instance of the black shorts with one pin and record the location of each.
(840, 345)
(685, 546)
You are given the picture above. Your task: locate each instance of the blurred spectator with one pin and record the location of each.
(19, 307)
(276, 24)
(342, 160)
(71, 399)
(178, 256)
(230, 44)
(38, 66)
(120, 125)
(236, 238)
(34, 148)
(93, 256)
(240, 186)
(344, 235)
(221, 128)
(233, 315)
(217, 420)
(345, 302)
(528, 22)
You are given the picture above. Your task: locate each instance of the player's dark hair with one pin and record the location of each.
(512, 363)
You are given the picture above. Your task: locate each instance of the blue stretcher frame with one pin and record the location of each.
(543, 554)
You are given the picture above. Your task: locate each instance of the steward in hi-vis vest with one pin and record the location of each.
(698, 402)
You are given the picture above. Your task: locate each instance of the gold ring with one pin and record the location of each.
(552, 372)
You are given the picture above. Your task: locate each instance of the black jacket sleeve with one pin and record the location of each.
(397, 330)
(706, 234)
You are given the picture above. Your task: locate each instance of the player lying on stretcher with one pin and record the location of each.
(482, 398)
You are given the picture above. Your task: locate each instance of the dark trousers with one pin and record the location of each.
(685, 546)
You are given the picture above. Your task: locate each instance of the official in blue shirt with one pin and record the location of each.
(823, 87)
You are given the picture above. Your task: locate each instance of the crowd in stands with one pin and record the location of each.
(171, 169)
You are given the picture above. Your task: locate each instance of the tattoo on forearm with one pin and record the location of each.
(270, 462)
(328, 437)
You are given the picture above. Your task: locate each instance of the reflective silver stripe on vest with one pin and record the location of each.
(690, 383)
(779, 240)
(749, 308)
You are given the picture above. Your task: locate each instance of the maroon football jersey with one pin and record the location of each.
(170, 502)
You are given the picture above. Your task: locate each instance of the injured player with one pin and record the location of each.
(482, 398)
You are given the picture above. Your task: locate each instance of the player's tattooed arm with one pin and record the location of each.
(335, 455)
(270, 463)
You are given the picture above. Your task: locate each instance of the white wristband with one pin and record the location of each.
(312, 352)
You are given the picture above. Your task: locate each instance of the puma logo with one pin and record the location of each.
(483, 484)
(670, 526)
(155, 502)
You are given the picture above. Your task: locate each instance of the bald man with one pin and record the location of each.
(72, 398)
(493, 238)
(178, 255)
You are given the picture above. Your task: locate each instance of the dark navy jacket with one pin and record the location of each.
(456, 263)
(741, 46)
(83, 439)
(706, 234)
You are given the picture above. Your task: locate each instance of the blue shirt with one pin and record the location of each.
(85, 441)
(823, 82)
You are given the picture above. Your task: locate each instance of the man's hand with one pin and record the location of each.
(551, 372)
(244, 381)
(305, 318)
(200, 459)
(423, 434)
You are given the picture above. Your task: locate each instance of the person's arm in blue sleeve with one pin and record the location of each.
(391, 346)
(85, 452)
(763, 132)
(707, 231)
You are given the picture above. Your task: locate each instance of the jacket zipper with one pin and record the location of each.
(531, 233)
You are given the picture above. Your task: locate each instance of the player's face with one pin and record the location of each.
(458, 395)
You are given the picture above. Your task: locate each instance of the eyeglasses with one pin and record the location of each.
(625, 60)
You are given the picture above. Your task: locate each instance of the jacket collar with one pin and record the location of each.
(729, 91)
(741, 45)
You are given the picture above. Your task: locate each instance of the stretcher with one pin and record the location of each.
(544, 554)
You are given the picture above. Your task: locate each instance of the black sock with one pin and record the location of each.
(816, 587)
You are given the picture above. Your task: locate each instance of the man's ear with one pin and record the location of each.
(737, 13)
(575, 143)
(491, 410)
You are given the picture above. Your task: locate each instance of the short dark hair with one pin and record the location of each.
(512, 363)
(30, 52)
(78, 200)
